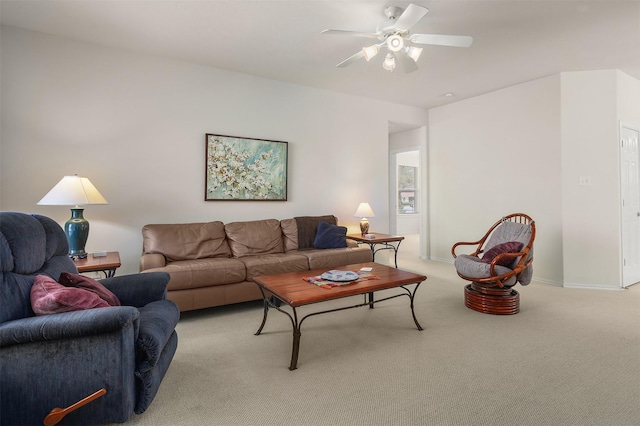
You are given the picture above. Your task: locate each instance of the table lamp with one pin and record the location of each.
(364, 210)
(74, 191)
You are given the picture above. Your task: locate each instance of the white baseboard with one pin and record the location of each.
(549, 282)
(438, 259)
(591, 287)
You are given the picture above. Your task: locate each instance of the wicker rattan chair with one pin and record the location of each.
(507, 258)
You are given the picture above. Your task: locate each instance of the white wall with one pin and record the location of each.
(523, 149)
(493, 155)
(628, 99)
(593, 103)
(135, 125)
(407, 140)
(589, 148)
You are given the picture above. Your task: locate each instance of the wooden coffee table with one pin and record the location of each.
(292, 290)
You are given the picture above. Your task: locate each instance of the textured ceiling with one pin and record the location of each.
(514, 41)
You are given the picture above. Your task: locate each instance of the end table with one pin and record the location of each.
(105, 264)
(388, 242)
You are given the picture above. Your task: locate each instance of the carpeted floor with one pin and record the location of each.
(570, 357)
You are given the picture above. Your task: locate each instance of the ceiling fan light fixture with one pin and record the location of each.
(395, 34)
(414, 52)
(370, 51)
(389, 63)
(395, 43)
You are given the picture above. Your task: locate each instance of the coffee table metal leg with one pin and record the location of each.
(265, 303)
(295, 324)
(395, 254)
(296, 349)
(413, 313)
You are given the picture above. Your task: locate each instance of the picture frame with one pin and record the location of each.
(245, 169)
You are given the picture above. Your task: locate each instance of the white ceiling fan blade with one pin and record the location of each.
(350, 33)
(411, 15)
(351, 59)
(442, 40)
(408, 64)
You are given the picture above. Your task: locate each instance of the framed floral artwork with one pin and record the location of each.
(245, 169)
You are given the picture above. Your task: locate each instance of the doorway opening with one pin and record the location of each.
(406, 199)
(408, 215)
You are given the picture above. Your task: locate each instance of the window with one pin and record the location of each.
(407, 190)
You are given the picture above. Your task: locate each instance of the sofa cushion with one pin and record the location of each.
(473, 267)
(331, 258)
(254, 237)
(289, 234)
(330, 236)
(510, 231)
(185, 241)
(307, 228)
(186, 274)
(270, 264)
(80, 281)
(50, 297)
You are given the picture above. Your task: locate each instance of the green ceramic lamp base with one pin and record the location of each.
(77, 230)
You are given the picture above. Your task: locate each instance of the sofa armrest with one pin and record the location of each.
(152, 260)
(138, 289)
(67, 325)
(56, 360)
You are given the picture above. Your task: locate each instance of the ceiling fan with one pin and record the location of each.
(394, 34)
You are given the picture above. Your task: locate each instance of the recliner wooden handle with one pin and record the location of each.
(58, 413)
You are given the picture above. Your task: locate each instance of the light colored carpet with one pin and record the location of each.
(570, 357)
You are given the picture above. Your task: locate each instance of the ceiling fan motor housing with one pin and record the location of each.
(392, 12)
(387, 28)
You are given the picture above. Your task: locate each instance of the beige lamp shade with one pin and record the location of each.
(73, 191)
(364, 210)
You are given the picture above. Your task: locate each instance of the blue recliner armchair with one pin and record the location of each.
(56, 360)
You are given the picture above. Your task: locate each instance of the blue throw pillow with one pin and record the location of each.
(330, 236)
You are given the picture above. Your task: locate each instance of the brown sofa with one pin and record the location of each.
(213, 263)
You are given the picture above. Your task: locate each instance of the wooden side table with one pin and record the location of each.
(388, 242)
(105, 264)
